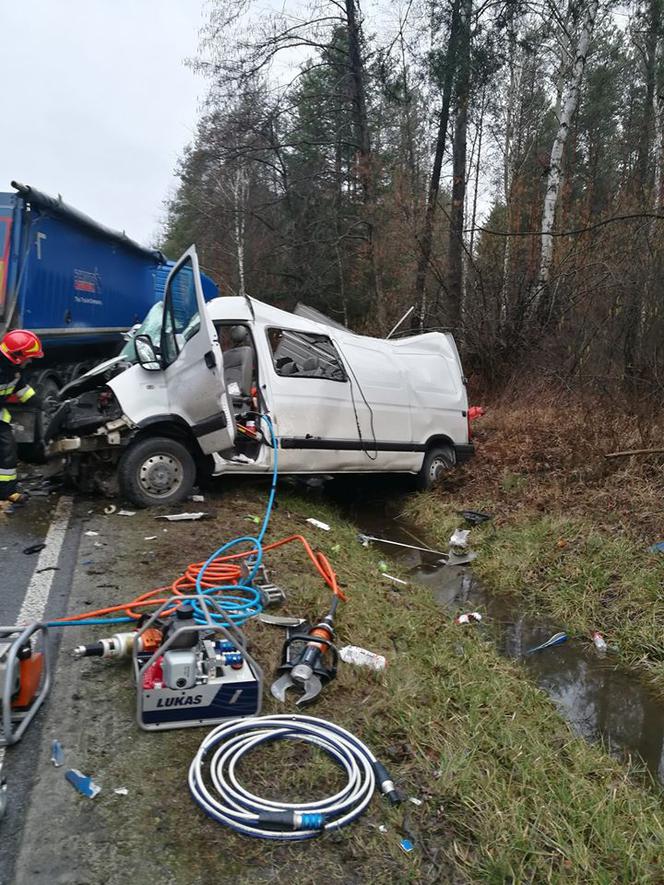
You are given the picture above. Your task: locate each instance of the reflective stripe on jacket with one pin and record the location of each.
(12, 385)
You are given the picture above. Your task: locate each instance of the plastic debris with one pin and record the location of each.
(197, 499)
(184, 517)
(251, 518)
(126, 513)
(365, 539)
(415, 801)
(91, 534)
(382, 566)
(150, 538)
(3, 797)
(468, 618)
(396, 580)
(57, 753)
(475, 412)
(353, 654)
(110, 510)
(34, 548)
(406, 845)
(459, 538)
(598, 641)
(121, 791)
(474, 517)
(657, 548)
(82, 782)
(556, 639)
(318, 524)
(382, 828)
(461, 558)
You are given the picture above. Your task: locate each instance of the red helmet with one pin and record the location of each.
(21, 345)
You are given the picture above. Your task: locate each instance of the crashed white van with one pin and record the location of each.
(187, 401)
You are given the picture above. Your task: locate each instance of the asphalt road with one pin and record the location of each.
(32, 586)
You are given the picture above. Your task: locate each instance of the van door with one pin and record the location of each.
(191, 359)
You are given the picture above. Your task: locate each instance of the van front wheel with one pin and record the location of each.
(156, 471)
(437, 461)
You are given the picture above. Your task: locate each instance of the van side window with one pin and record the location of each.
(303, 355)
(181, 319)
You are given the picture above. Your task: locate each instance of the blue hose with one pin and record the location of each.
(238, 609)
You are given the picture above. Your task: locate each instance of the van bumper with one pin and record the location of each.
(464, 452)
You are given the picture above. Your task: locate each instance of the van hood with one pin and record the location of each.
(95, 378)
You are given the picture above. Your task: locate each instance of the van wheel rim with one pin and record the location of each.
(160, 475)
(437, 469)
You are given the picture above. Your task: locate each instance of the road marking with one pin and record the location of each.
(39, 588)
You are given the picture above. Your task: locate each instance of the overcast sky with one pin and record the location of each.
(98, 104)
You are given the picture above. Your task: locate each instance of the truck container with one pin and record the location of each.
(79, 285)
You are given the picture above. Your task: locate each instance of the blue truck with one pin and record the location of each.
(79, 285)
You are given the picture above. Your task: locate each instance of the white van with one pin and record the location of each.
(189, 398)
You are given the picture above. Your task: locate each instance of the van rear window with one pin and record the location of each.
(303, 355)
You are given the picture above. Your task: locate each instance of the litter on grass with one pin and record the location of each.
(110, 510)
(184, 517)
(365, 539)
(57, 753)
(121, 791)
(556, 639)
(474, 517)
(468, 618)
(318, 524)
(406, 846)
(657, 548)
(197, 499)
(126, 513)
(82, 782)
(396, 580)
(353, 654)
(598, 641)
(459, 538)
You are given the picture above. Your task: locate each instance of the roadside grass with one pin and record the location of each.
(569, 538)
(507, 793)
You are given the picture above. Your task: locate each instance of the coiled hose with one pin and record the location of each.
(231, 804)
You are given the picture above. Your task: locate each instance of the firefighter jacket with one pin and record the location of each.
(11, 386)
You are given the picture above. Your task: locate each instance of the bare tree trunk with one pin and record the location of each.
(513, 98)
(364, 155)
(426, 238)
(453, 297)
(569, 105)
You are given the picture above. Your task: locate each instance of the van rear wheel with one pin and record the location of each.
(156, 471)
(437, 461)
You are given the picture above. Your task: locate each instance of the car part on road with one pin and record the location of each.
(200, 674)
(305, 660)
(229, 803)
(25, 678)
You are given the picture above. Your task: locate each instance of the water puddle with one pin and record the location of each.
(600, 700)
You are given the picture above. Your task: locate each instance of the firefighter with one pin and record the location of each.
(17, 348)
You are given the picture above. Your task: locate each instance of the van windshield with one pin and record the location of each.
(151, 326)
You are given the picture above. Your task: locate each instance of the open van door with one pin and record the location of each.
(191, 359)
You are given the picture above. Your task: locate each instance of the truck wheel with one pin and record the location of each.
(155, 471)
(437, 461)
(35, 452)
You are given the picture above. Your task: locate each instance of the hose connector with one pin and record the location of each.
(386, 784)
(294, 820)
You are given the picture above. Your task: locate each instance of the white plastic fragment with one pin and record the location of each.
(599, 642)
(318, 524)
(126, 513)
(110, 509)
(415, 801)
(121, 791)
(468, 618)
(182, 517)
(151, 537)
(92, 534)
(396, 580)
(459, 538)
(197, 499)
(353, 654)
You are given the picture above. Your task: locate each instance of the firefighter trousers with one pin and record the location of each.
(7, 461)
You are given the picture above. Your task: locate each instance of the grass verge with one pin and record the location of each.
(508, 794)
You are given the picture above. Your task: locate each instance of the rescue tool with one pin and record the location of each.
(309, 660)
(25, 678)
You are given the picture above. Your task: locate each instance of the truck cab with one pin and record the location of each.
(206, 376)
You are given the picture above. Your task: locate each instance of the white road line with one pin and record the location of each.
(36, 597)
(39, 588)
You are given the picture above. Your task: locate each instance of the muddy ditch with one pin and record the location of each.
(601, 701)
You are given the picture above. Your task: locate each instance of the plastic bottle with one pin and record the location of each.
(599, 641)
(353, 654)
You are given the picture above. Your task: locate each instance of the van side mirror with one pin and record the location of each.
(146, 353)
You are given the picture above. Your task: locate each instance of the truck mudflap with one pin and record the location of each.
(464, 452)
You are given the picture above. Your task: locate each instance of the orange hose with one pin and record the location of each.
(221, 571)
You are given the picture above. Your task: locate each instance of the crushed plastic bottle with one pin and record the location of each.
(598, 641)
(353, 654)
(468, 618)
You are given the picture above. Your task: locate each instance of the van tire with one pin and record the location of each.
(156, 471)
(437, 461)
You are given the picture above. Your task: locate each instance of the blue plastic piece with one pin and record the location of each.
(407, 845)
(57, 753)
(657, 548)
(82, 782)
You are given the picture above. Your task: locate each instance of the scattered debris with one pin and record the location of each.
(396, 580)
(406, 845)
(184, 517)
(459, 538)
(382, 828)
(468, 618)
(318, 524)
(475, 412)
(415, 801)
(281, 620)
(598, 641)
(150, 538)
(126, 513)
(3, 797)
(474, 517)
(197, 499)
(48, 568)
(91, 534)
(34, 548)
(82, 782)
(556, 639)
(353, 654)
(251, 518)
(657, 548)
(382, 566)
(110, 510)
(461, 558)
(57, 753)
(365, 539)
(121, 791)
